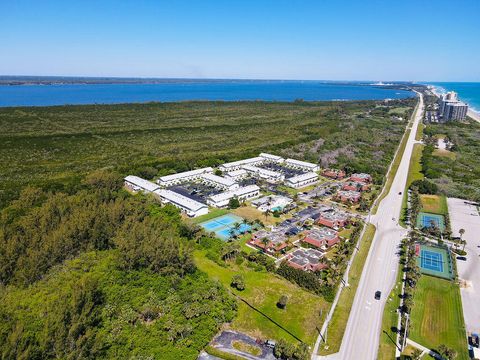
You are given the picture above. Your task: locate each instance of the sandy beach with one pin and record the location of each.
(474, 115)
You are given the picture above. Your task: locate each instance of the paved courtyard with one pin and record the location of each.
(465, 216)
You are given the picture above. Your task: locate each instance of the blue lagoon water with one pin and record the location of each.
(45, 95)
(468, 92)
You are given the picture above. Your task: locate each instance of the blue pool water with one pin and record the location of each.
(221, 226)
(228, 90)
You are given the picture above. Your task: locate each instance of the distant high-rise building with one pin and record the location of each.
(455, 111)
(451, 108)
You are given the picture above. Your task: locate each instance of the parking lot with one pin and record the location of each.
(224, 342)
(465, 216)
(196, 191)
(284, 170)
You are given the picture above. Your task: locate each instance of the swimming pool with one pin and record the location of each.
(222, 226)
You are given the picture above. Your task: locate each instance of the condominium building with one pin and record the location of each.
(302, 165)
(236, 165)
(176, 179)
(219, 181)
(188, 206)
(135, 183)
(243, 193)
(265, 174)
(302, 180)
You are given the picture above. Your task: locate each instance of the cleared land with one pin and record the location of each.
(263, 290)
(337, 326)
(435, 204)
(54, 147)
(437, 316)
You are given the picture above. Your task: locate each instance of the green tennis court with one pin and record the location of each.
(434, 261)
(426, 220)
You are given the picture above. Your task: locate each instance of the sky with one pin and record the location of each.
(415, 40)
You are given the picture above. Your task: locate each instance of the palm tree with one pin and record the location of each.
(267, 213)
(265, 243)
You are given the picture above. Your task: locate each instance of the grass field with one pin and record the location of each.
(263, 290)
(386, 349)
(435, 204)
(445, 153)
(337, 325)
(414, 173)
(437, 316)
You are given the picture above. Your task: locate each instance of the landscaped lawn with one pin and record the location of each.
(386, 349)
(263, 290)
(437, 316)
(435, 204)
(337, 325)
(213, 213)
(414, 173)
(251, 213)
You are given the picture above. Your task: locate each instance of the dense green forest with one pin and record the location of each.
(129, 286)
(456, 171)
(88, 270)
(55, 147)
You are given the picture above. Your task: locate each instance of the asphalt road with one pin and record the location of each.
(361, 338)
(465, 216)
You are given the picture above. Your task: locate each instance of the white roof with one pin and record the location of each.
(232, 193)
(179, 199)
(262, 171)
(243, 162)
(219, 179)
(271, 157)
(142, 183)
(303, 177)
(185, 174)
(236, 173)
(300, 163)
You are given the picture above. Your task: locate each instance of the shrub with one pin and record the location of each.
(238, 282)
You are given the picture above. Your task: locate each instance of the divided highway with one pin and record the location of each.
(361, 338)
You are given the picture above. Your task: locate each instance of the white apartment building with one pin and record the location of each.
(188, 206)
(219, 181)
(302, 180)
(135, 183)
(236, 165)
(242, 194)
(272, 158)
(302, 165)
(176, 179)
(267, 175)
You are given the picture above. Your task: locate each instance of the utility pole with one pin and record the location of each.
(405, 332)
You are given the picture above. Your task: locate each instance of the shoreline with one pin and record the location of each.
(472, 113)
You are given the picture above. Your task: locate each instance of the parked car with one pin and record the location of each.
(462, 258)
(378, 295)
(270, 344)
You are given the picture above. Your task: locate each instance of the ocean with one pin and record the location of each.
(468, 92)
(45, 95)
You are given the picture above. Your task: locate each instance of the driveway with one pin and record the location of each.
(224, 342)
(465, 216)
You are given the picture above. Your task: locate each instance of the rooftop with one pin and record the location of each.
(184, 174)
(303, 177)
(226, 195)
(142, 183)
(179, 199)
(242, 162)
(300, 163)
(218, 179)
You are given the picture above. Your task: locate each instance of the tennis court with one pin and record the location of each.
(222, 226)
(434, 261)
(426, 220)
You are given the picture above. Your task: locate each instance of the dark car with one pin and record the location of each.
(378, 295)
(463, 258)
(400, 193)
